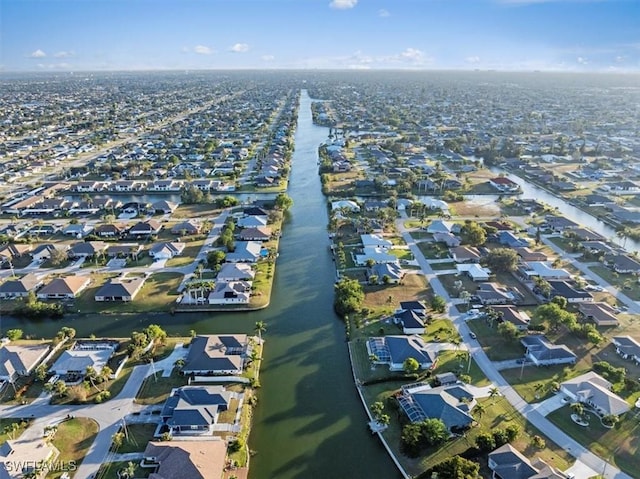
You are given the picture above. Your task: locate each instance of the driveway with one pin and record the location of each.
(551, 404)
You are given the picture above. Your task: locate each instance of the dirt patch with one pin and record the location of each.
(478, 207)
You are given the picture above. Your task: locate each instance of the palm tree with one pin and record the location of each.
(578, 409)
(260, 328)
(494, 392)
(479, 409)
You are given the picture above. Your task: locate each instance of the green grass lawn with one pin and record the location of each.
(188, 255)
(137, 437)
(626, 283)
(140, 262)
(404, 254)
(562, 243)
(619, 445)
(494, 345)
(158, 293)
(26, 390)
(156, 390)
(6, 428)
(110, 470)
(440, 330)
(433, 250)
(443, 266)
(458, 362)
(536, 383)
(73, 439)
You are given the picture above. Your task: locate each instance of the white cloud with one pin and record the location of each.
(268, 58)
(412, 54)
(383, 13)
(63, 54)
(343, 4)
(203, 50)
(38, 54)
(582, 60)
(240, 48)
(620, 59)
(472, 59)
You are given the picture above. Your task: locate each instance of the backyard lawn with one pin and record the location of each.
(494, 345)
(156, 390)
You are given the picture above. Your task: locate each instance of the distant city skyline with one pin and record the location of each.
(510, 35)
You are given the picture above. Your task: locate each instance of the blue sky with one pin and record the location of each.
(558, 35)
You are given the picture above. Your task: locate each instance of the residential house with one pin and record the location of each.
(452, 404)
(20, 288)
(376, 241)
(602, 314)
(256, 211)
(19, 360)
(597, 247)
(124, 250)
(245, 252)
(186, 459)
(194, 410)
(465, 254)
(73, 363)
(559, 223)
(235, 272)
(627, 347)
(446, 379)
(474, 271)
(568, 291)
(543, 353)
(43, 252)
(347, 205)
(164, 207)
(252, 221)
(86, 249)
(506, 462)
(583, 234)
(166, 250)
(493, 293)
(189, 227)
(395, 350)
(145, 228)
(230, 292)
(594, 391)
(387, 273)
(257, 233)
(504, 184)
(520, 319)
(410, 321)
(14, 251)
(540, 269)
(123, 289)
(449, 239)
(216, 354)
(64, 288)
(377, 255)
(622, 263)
(440, 226)
(110, 230)
(507, 238)
(78, 230)
(417, 306)
(527, 254)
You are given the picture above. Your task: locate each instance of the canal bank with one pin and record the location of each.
(309, 421)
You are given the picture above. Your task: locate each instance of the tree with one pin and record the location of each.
(485, 442)
(57, 257)
(479, 409)
(14, 334)
(578, 409)
(60, 387)
(41, 372)
(456, 467)
(501, 260)
(438, 304)
(410, 365)
(215, 258)
(283, 202)
(155, 333)
(473, 234)
(130, 470)
(66, 333)
(560, 301)
(554, 315)
(538, 442)
(508, 330)
(349, 296)
(260, 327)
(377, 409)
(434, 432)
(494, 392)
(410, 439)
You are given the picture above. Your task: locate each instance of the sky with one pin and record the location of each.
(511, 35)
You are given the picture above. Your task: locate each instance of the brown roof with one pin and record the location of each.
(601, 313)
(70, 284)
(187, 459)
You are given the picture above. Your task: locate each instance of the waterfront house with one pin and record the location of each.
(164, 207)
(594, 391)
(245, 252)
(64, 288)
(256, 233)
(19, 360)
(252, 221)
(627, 347)
(395, 350)
(375, 240)
(387, 273)
(622, 263)
(185, 459)
(504, 184)
(559, 223)
(20, 288)
(452, 404)
(377, 255)
(230, 292)
(73, 363)
(543, 353)
(120, 289)
(235, 272)
(410, 321)
(506, 462)
(216, 354)
(194, 410)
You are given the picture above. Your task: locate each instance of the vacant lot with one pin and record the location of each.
(73, 439)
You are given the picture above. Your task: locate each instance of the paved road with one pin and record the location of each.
(592, 462)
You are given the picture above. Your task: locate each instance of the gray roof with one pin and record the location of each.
(195, 405)
(510, 464)
(450, 404)
(539, 347)
(216, 353)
